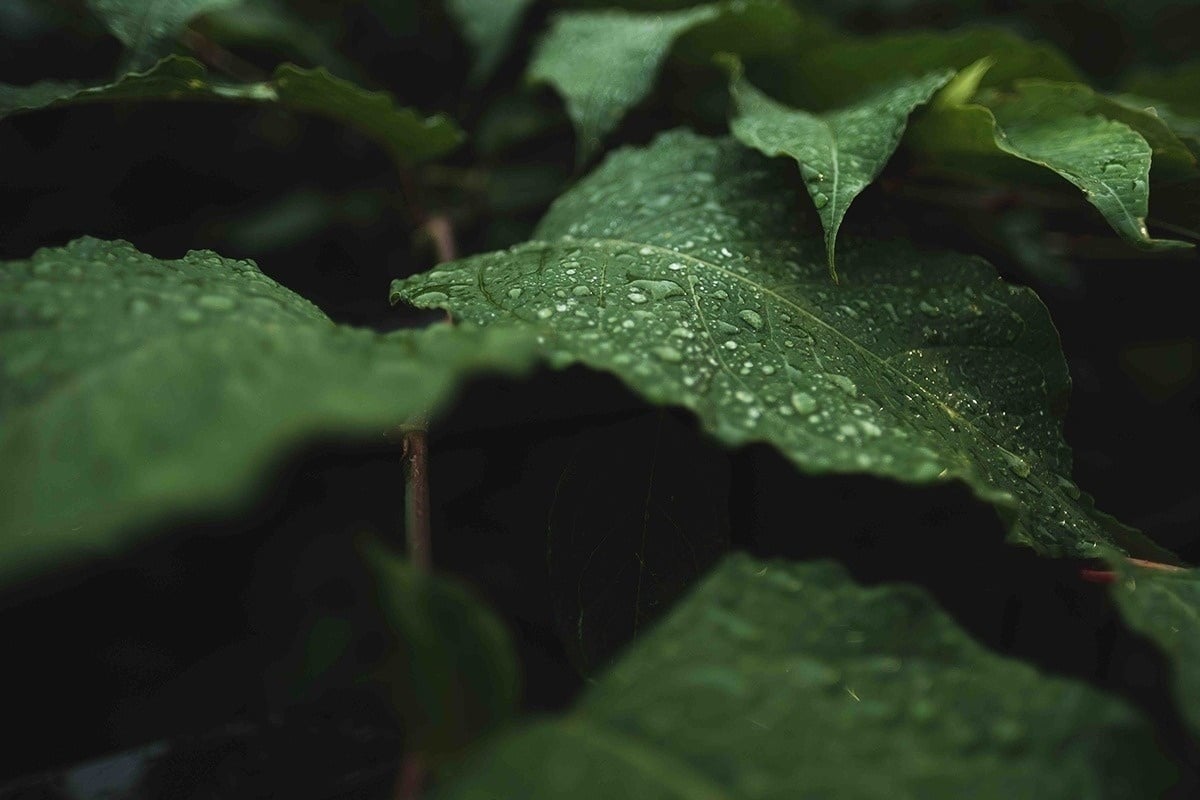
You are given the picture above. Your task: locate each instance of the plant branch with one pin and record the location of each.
(416, 498)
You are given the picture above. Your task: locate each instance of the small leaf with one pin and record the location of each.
(1056, 126)
(488, 25)
(450, 671)
(149, 28)
(136, 390)
(839, 152)
(603, 63)
(1165, 607)
(687, 270)
(408, 137)
(778, 680)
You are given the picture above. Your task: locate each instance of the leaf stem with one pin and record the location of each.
(416, 498)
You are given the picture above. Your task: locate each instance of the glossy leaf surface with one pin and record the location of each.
(778, 680)
(839, 152)
(407, 136)
(137, 389)
(689, 270)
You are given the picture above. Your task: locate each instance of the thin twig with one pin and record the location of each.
(416, 498)
(411, 777)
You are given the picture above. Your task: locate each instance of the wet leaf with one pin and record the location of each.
(776, 680)
(1165, 607)
(1056, 126)
(689, 270)
(407, 136)
(149, 28)
(839, 152)
(136, 390)
(489, 26)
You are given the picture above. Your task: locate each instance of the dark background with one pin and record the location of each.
(185, 638)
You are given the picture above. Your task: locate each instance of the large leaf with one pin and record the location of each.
(776, 680)
(1165, 606)
(489, 26)
(689, 270)
(605, 62)
(149, 28)
(839, 152)
(136, 389)
(408, 137)
(1055, 126)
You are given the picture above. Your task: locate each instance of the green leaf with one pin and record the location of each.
(149, 28)
(1056, 126)
(839, 152)
(1165, 607)
(136, 390)
(824, 76)
(450, 671)
(603, 63)
(688, 270)
(778, 680)
(489, 26)
(408, 137)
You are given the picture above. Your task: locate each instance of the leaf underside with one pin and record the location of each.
(777, 680)
(136, 390)
(688, 270)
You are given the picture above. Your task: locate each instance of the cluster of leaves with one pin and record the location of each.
(706, 273)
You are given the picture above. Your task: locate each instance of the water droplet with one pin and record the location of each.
(929, 309)
(751, 318)
(810, 174)
(731, 345)
(430, 298)
(581, 290)
(545, 313)
(803, 402)
(668, 353)
(820, 199)
(514, 293)
(1017, 464)
(637, 297)
(190, 316)
(140, 306)
(659, 290)
(1114, 169)
(744, 396)
(216, 302)
(843, 383)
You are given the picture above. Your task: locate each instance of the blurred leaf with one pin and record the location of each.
(408, 137)
(1179, 87)
(775, 680)
(137, 390)
(489, 26)
(150, 28)
(839, 152)
(449, 668)
(827, 75)
(689, 270)
(1054, 126)
(1165, 607)
(272, 25)
(603, 63)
